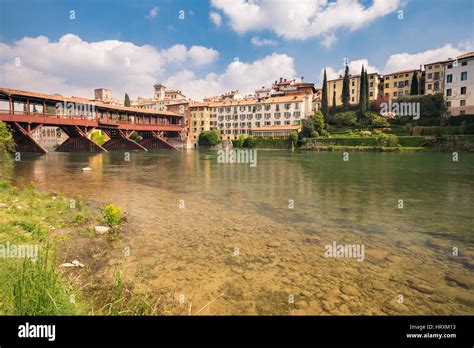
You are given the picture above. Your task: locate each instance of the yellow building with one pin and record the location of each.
(199, 120)
(398, 84)
(335, 86)
(434, 78)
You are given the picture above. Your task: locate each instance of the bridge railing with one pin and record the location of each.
(101, 120)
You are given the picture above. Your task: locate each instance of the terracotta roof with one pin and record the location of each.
(10, 91)
(274, 128)
(466, 55)
(352, 76)
(402, 72)
(254, 101)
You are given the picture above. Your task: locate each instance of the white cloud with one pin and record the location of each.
(328, 40)
(243, 76)
(256, 41)
(72, 66)
(153, 13)
(355, 67)
(215, 18)
(201, 55)
(399, 61)
(303, 19)
(406, 61)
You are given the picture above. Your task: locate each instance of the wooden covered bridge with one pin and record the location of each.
(27, 111)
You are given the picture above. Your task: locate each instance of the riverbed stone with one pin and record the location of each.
(274, 244)
(423, 288)
(349, 290)
(101, 229)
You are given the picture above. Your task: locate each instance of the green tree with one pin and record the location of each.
(127, 100)
(6, 145)
(324, 98)
(362, 95)
(334, 102)
(345, 96)
(367, 94)
(209, 138)
(414, 84)
(98, 138)
(318, 120)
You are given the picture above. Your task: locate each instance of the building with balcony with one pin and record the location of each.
(459, 84)
(398, 84)
(335, 87)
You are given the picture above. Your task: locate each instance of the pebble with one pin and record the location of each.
(349, 290)
(101, 229)
(274, 244)
(329, 305)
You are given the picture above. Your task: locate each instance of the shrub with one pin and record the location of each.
(439, 131)
(348, 118)
(413, 141)
(250, 142)
(430, 121)
(112, 215)
(209, 138)
(460, 120)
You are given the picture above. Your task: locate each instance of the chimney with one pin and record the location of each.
(302, 78)
(281, 79)
(285, 80)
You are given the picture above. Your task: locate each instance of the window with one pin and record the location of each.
(464, 76)
(242, 117)
(267, 107)
(436, 75)
(387, 85)
(277, 123)
(463, 90)
(395, 84)
(463, 63)
(448, 104)
(429, 86)
(352, 92)
(430, 67)
(449, 78)
(430, 76)
(371, 94)
(462, 102)
(462, 112)
(450, 66)
(449, 92)
(407, 82)
(353, 84)
(250, 116)
(395, 94)
(267, 123)
(277, 115)
(371, 84)
(352, 99)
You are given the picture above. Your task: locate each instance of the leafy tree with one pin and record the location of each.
(414, 84)
(209, 138)
(348, 118)
(6, 145)
(318, 121)
(293, 138)
(127, 100)
(345, 96)
(324, 98)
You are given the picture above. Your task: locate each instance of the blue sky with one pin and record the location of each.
(426, 25)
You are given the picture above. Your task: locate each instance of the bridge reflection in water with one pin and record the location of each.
(27, 111)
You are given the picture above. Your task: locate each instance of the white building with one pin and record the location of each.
(239, 117)
(459, 84)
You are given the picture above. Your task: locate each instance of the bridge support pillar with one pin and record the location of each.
(121, 141)
(23, 139)
(152, 141)
(78, 141)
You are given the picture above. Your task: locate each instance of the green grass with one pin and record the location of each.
(28, 286)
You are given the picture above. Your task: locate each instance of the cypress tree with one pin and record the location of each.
(367, 93)
(127, 100)
(362, 95)
(345, 96)
(324, 99)
(414, 84)
(334, 102)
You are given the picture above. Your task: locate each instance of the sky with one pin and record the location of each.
(209, 47)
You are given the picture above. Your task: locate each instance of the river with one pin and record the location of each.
(235, 239)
